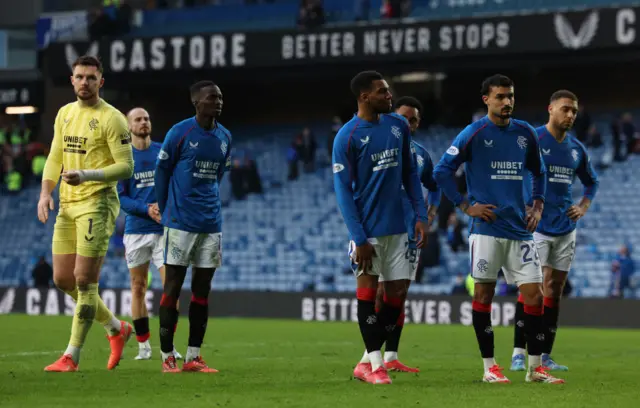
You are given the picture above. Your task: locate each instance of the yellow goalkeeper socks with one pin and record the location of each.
(84, 314)
(73, 293)
(107, 319)
(103, 314)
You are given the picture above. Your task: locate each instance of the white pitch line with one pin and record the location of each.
(217, 346)
(30, 353)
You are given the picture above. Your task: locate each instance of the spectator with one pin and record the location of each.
(244, 177)
(307, 147)
(42, 274)
(454, 233)
(622, 268)
(362, 9)
(568, 288)
(335, 127)
(470, 284)
(623, 131)
(386, 11)
(594, 138)
(628, 129)
(254, 184)
(459, 287)
(37, 167)
(114, 18)
(13, 181)
(582, 124)
(395, 8)
(117, 238)
(292, 160)
(430, 254)
(236, 177)
(405, 8)
(616, 135)
(311, 14)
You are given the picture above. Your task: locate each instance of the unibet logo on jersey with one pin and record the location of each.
(560, 174)
(75, 144)
(207, 169)
(385, 159)
(506, 170)
(144, 178)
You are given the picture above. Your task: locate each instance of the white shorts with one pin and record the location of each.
(413, 255)
(556, 252)
(143, 248)
(392, 260)
(202, 250)
(518, 259)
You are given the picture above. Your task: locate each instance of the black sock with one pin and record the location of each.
(168, 320)
(141, 326)
(368, 319)
(519, 336)
(393, 339)
(198, 318)
(550, 317)
(388, 318)
(481, 316)
(534, 329)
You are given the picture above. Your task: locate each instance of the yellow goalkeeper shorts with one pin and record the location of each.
(84, 228)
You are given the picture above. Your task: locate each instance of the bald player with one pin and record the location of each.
(143, 235)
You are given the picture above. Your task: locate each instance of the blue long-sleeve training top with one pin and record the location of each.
(190, 167)
(495, 159)
(424, 166)
(137, 192)
(564, 161)
(371, 163)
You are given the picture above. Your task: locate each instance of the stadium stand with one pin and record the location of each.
(234, 15)
(292, 238)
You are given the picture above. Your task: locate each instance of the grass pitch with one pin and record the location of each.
(273, 363)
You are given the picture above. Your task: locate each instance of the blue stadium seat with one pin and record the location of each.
(292, 237)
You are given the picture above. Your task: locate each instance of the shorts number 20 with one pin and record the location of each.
(526, 253)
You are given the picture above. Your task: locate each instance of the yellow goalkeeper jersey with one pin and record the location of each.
(87, 138)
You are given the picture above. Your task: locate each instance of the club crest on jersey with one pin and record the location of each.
(93, 124)
(522, 142)
(223, 148)
(574, 154)
(420, 160)
(396, 131)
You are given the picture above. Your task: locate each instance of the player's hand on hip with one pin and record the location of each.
(71, 177)
(484, 211)
(533, 218)
(575, 212)
(421, 233)
(45, 204)
(364, 256)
